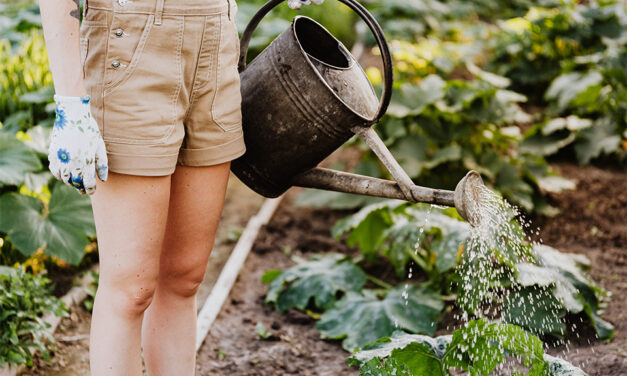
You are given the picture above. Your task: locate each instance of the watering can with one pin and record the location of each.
(303, 97)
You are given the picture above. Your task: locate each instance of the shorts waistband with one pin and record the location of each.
(165, 7)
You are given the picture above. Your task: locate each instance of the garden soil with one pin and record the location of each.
(592, 222)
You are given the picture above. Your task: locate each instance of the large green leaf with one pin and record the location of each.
(319, 279)
(433, 230)
(567, 86)
(569, 268)
(359, 319)
(599, 139)
(550, 288)
(16, 159)
(367, 226)
(62, 227)
(415, 358)
(535, 309)
(560, 367)
(480, 347)
(412, 99)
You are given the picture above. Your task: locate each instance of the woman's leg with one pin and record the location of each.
(169, 329)
(131, 215)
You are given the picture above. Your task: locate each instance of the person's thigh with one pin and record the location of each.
(131, 215)
(196, 201)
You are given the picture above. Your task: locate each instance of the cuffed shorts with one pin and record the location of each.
(163, 81)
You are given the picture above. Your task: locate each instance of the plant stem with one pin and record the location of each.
(379, 282)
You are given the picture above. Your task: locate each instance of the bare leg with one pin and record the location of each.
(169, 330)
(131, 215)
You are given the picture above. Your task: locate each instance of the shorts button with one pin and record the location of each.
(115, 64)
(118, 32)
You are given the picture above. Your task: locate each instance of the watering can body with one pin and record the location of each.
(303, 97)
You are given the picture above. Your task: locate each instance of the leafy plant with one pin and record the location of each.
(91, 290)
(262, 332)
(555, 284)
(25, 85)
(61, 225)
(575, 55)
(24, 298)
(319, 280)
(532, 49)
(540, 288)
(360, 318)
(479, 348)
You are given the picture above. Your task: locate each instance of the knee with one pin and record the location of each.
(129, 299)
(181, 281)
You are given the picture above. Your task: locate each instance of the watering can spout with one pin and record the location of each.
(466, 197)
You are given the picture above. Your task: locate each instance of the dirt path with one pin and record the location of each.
(71, 357)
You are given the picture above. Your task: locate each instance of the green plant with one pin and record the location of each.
(24, 298)
(572, 60)
(479, 348)
(360, 318)
(60, 225)
(436, 240)
(25, 85)
(533, 49)
(17, 19)
(91, 290)
(262, 332)
(319, 280)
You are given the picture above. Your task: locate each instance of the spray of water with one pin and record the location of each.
(487, 279)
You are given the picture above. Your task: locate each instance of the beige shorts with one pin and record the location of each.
(163, 81)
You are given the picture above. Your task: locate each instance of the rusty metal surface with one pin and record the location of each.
(292, 118)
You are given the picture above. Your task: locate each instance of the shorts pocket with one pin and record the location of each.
(126, 41)
(142, 104)
(226, 108)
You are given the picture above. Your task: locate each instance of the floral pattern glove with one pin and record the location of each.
(296, 4)
(77, 151)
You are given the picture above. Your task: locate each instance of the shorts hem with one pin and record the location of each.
(142, 165)
(213, 155)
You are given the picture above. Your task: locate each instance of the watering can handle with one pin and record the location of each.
(388, 78)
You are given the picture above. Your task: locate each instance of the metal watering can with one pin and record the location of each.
(303, 97)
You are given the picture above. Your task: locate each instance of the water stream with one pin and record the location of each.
(487, 286)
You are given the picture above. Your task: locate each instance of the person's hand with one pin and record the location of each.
(77, 151)
(296, 4)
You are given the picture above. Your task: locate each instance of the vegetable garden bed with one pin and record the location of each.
(236, 346)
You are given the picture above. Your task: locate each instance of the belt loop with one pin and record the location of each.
(159, 12)
(228, 3)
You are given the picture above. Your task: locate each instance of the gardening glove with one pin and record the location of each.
(296, 4)
(77, 151)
